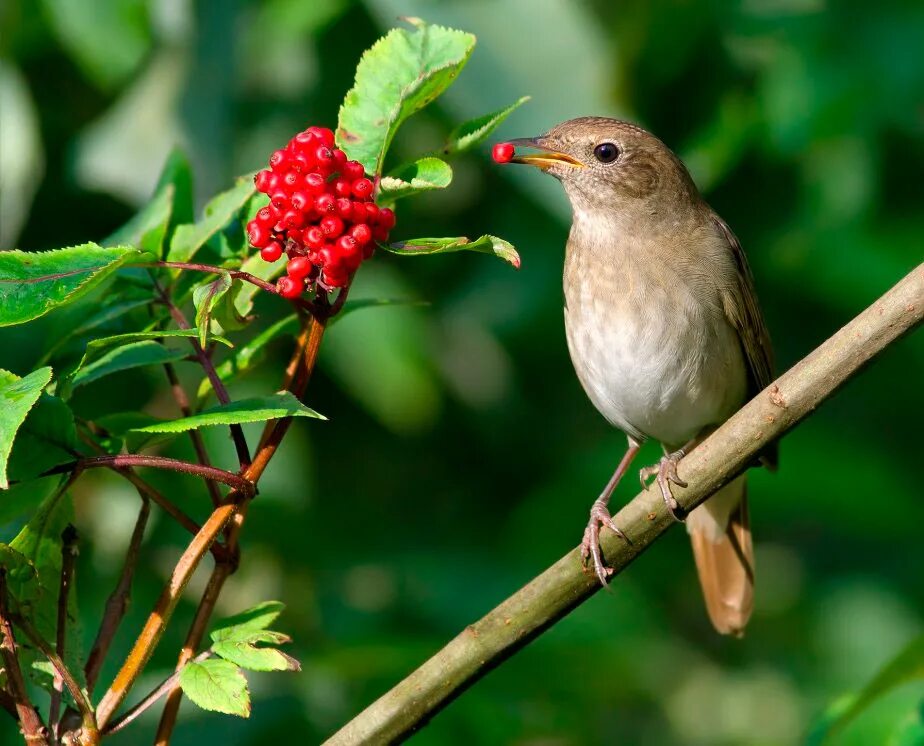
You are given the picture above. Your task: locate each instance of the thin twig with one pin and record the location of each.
(716, 461)
(122, 460)
(118, 601)
(182, 402)
(33, 729)
(159, 691)
(68, 559)
(297, 375)
(236, 274)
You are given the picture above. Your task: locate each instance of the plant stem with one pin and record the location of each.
(297, 375)
(68, 558)
(713, 463)
(236, 274)
(159, 691)
(33, 729)
(117, 603)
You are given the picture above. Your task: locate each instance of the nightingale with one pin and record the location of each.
(664, 330)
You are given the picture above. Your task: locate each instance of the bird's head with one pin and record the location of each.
(608, 163)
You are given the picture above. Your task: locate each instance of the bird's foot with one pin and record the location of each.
(665, 472)
(590, 545)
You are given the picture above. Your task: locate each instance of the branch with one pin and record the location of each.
(68, 559)
(297, 375)
(716, 461)
(33, 729)
(117, 603)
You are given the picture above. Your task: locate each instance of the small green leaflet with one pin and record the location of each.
(217, 685)
(47, 438)
(126, 357)
(205, 297)
(188, 239)
(17, 397)
(241, 647)
(485, 245)
(34, 283)
(475, 131)
(258, 409)
(256, 617)
(414, 178)
(399, 75)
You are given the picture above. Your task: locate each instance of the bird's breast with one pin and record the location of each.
(655, 358)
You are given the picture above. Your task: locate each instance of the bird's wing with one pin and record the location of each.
(740, 304)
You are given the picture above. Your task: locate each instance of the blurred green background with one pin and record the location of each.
(461, 455)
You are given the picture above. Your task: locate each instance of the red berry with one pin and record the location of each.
(315, 183)
(314, 237)
(336, 277)
(368, 250)
(361, 233)
(324, 156)
(342, 187)
(339, 158)
(380, 234)
(291, 179)
(353, 170)
(332, 226)
(362, 188)
(262, 181)
(278, 160)
(323, 134)
(298, 267)
(301, 200)
(303, 140)
(293, 219)
(324, 203)
(257, 234)
(289, 287)
(386, 218)
(502, 152)
(271, 252)
(279, 199)
(266, 216)
(372, 212)
(344, 207)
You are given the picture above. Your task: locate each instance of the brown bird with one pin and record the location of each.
(663, 328)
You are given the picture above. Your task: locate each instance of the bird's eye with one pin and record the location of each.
(606, 152)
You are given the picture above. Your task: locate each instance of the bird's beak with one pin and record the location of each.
(546, 158)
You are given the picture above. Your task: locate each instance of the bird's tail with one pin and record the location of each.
(721, 535)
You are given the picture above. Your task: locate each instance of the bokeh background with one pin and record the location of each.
(461, 454)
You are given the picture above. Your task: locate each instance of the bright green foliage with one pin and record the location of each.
(97, 346)
(485, 245)
(476, 131)
(256, 617)
(17, 397)
(402, 72)
(243, 298)
(47, 438)
(125, 357)
(236, 639)
(32, 284)
(188, 239)
(258, 409)
(216, 685)
(205, 298)
(413, 178)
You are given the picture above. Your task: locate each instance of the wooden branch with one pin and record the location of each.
(68, 560)
(722, 456)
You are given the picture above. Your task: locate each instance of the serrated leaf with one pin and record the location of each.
(248, 355)
(399, 75)
(17, 397)
(242, 649)
(258, 409)
(97, 346)
(217, 685)
(907, 666)
(126, 357)
(475, 131)
(170, 204)
(204, 299)
(34, 283)
(188, 239)
(255, 618)
(486, 245)
(413, 178)
(47, 438)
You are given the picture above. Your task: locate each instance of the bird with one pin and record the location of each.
(663, 328)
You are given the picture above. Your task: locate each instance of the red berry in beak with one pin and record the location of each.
(502, 152)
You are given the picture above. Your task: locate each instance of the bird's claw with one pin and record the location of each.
(590, 545)
(665, 472)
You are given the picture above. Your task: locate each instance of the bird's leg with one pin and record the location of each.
(600, 515)
(665, 472)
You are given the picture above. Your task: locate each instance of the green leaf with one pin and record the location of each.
(126, 357)
(205, 297)
(258, 409)
(907, 666)
(256, 617)
(248, 355)
(47, 438)
(217, 685)
(413, 178)
(171, 204)
(485, 245)
(97, 346)
(188, 239)
(32, 284)
(240, 647)
(475, 131)
(20, 572)
(255, 265)
(17, 397)
(402, 72)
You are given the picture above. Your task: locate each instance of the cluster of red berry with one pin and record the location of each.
(321, 214)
